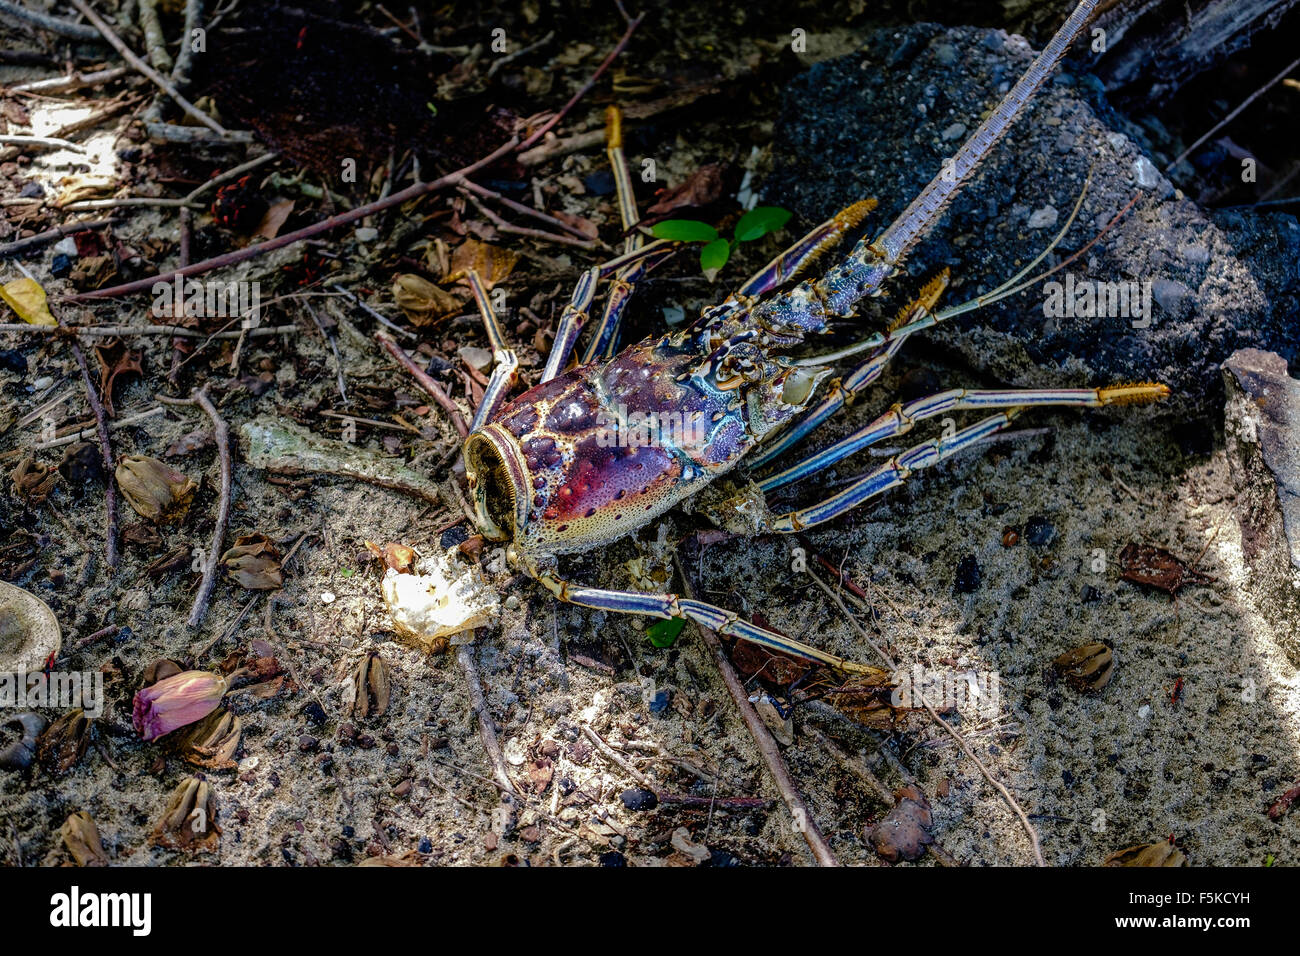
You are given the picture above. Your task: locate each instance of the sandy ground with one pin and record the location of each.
(1196, 734)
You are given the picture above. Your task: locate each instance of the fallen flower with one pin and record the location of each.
(176, 701)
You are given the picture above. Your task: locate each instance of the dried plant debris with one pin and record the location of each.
(155, 490)
(81, 838)
(1086, 668)
(33, 481)
(372, 685)
(1157, 568)
(82, 465)
(115, 358)
(212, 743)
(423, 302)
(1164, 853)
(64, 742)
(254, 563)
(190, 820)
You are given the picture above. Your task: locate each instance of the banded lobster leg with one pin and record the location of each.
(506, 364)
(843, 391)
(666, 606)
(900, 419)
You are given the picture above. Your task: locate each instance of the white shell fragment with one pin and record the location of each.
(442, 597)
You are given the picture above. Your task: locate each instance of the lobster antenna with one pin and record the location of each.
(919, 218)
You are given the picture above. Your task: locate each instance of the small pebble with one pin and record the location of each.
(955, 131)
(327, 597)
(426, 845)
(660, 702)
(307, 742)
(12, 360)
(1144, 711)
(1043, 218)
(613, 858)
(599, 183)
(367, 234)
(61, 266)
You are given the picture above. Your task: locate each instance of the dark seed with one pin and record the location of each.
(639, 799)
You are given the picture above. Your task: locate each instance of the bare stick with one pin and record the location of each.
(221, 433)
(72, 82)
(155, 41)
(58, 232)
(40, 142)
(540, 234)
(157, 78)
(519, 207)
(767, 746)
(573, 100)
(101, 331)
(487, 732)
(308, 232)
(106, 451)
(424, 381)
(44, 21)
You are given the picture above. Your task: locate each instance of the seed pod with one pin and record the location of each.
(373, 686)
(21, 751)
(1163, 853)
(190, 820)
(154, 490)
(212, 743)
(254, 563)
(81, 837)
(1086, 668)
(65, 741)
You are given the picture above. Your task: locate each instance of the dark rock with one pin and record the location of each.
(1039, 532)
(639, 799)
(967, 578)
(872, 124)
(315, 713)
(61, 266)
(454, 536)
(613, 858)
(12, 360)
(426, 845)
(31, 190)
(599, 183)
(660, 702)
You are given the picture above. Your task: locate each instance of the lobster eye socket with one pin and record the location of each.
(798, 385)
(494, 495)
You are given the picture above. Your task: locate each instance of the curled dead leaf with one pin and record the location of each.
(189, 821)
(904, 832)
(1164, 853)
(1086, 668)
(33, 481)
(154, 490)
(254, 563)
(423, 302)
(373, 684)
(81, 837)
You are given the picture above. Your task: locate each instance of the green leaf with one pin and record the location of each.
(714, 256)
(684, 230)
(664, 633)
(761, 220)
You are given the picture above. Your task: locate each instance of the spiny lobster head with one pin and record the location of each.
(606, 448)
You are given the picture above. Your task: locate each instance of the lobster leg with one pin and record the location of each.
(578, 310)
(929, 453)
(506, 364)
(900, 419)
(665, 606)
(843, 391)
(789, 263)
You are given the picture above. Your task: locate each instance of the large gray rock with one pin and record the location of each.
(880, 122)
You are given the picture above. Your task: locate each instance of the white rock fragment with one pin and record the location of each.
(1145, 172)
(1043, 218)
(479, 358)
(440, 598)
(327, 597)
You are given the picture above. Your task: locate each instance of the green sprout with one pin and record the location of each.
(716, 250)
(664, 633)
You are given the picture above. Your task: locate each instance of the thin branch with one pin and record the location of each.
(221, 433)
(308, 232)
(40, 142)
(961, 741)
(106, 451)
(422, 379)
(487, 732)
(43, 21)
(101, 331)
(157, 78)
(58, 232)
(72, 82)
